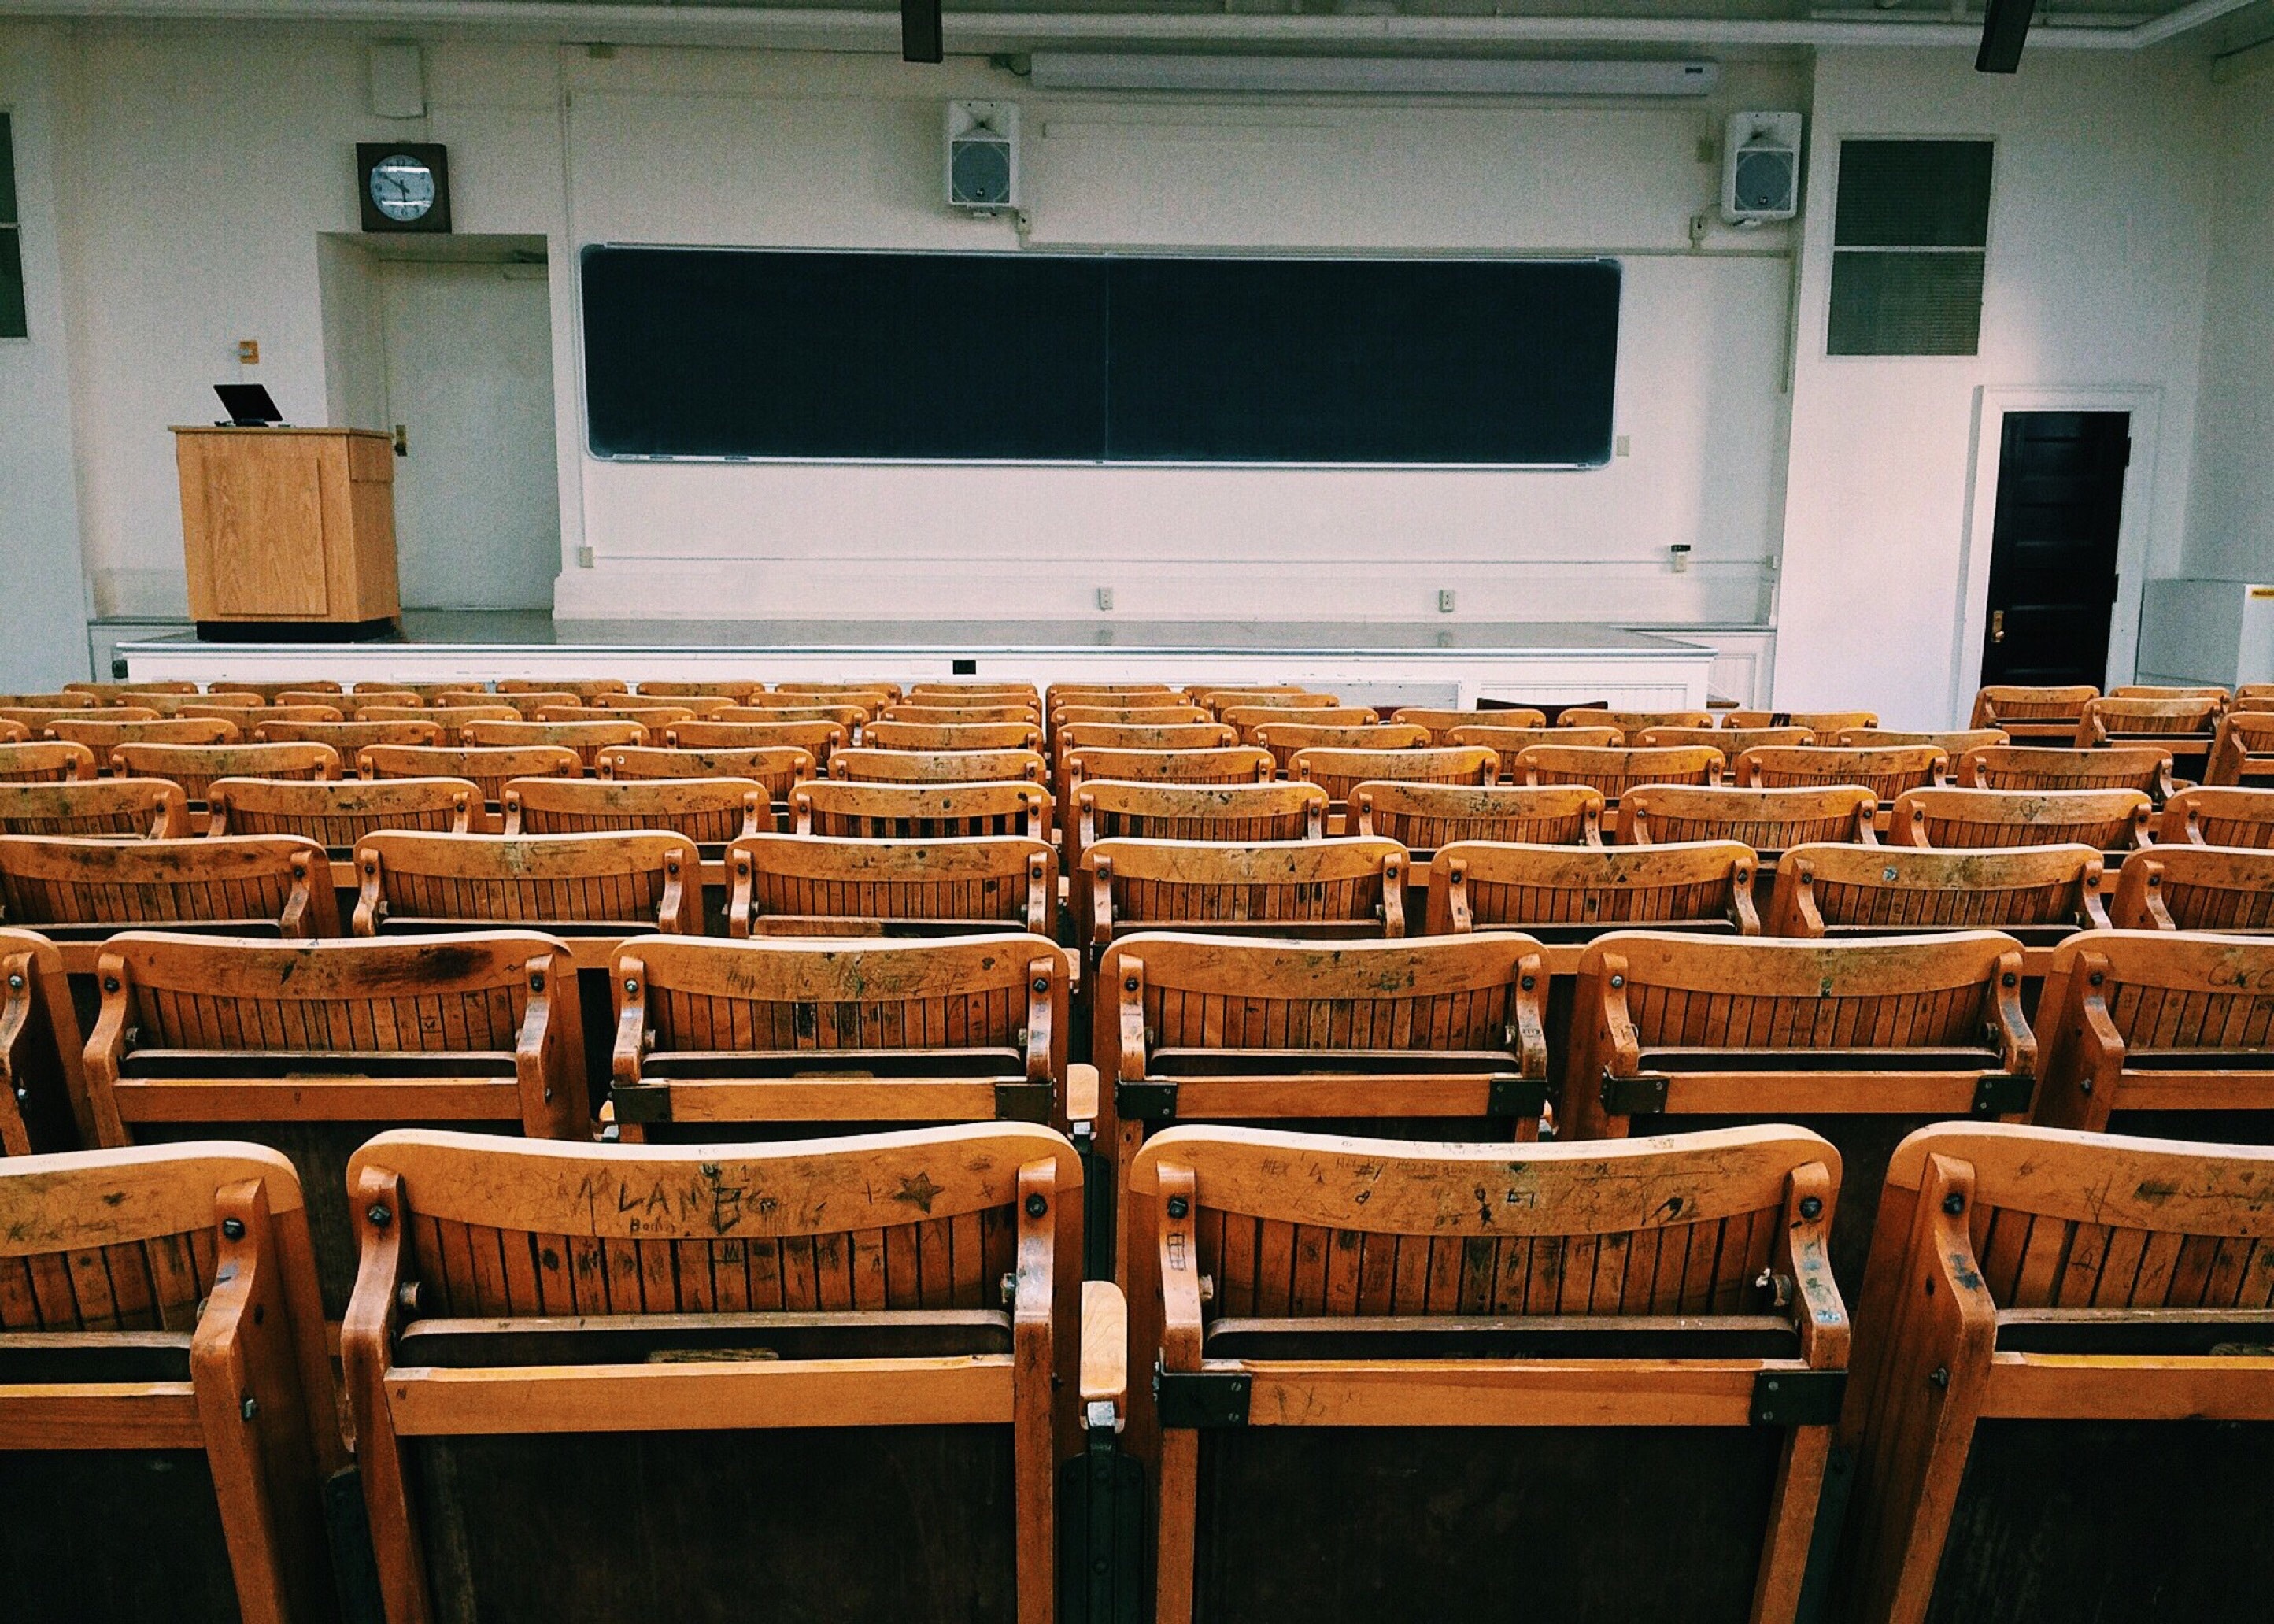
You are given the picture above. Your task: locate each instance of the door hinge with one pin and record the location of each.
(1197, 1399)
(1798, 1398)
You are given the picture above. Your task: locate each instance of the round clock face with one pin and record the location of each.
(402, 187)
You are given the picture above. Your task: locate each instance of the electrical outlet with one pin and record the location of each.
(1623, 446)
(1105, 597)
(248, 351)
(1444, 601)
(583, 558)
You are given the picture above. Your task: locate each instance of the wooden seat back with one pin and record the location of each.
(36, 720)
(1350, 887)
(912, 714)
(59, 701)
(1631, 724)
(1159, 713)
(655, 717)
(2188, 887)
(780, 1032)
(85, 890)
(2144, 767)
(488, 768)
(1277, 696)
(776, 710)
(2106, 819)
(1826, 725)
(2165, 691)
(2033, 714)
(807, 884)
(2242, 751)
(165, 1366)
(649, 708)
(937, 767)
(2046, 1368)
(47, 761)
(1073, 736)
(2218, 816)
(108, 694)
(706, 811)
(737, 689)
(451, 719)
(588, 739)
(350, 706)
(349, 739)
(980, 691)
(2252, 697)
(1116, 809)
(1574, 892)
(178, 704)
(13, 732)
(854, 689)
(2184, 726)
(1885, 770)
(196, 767)
(1766, 820)
(248, 716)
(336, 813)
(1731, 742)
(1285, 739)
(2035, 893)
(1513, 742)
(1613, 771)
(525, 707)
(132, 808)
(839, 807)
(1440, 723)
(1248, 718)
(893, 734)
(649, 880)
(585, 688)
(1493, 1337)
(271, 690)
(103, 737)
(780, 767)
(1340, 770)
(817, 738)
(42, 1086)
(1241, 764)
(1953, 741)
(1422, 817)
(427, 691)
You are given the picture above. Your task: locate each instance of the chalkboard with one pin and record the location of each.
(819, 356)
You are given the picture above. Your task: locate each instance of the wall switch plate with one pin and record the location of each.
(1623, 446)
(1105, 597)
(1445, 601)
(583, 558)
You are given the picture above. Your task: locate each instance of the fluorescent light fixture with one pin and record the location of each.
(1404, 76)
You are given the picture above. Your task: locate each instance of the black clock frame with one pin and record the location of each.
(370, 154)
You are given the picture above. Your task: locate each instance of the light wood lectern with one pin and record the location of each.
(289, 532)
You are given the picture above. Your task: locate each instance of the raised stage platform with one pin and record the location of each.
(1453, 663)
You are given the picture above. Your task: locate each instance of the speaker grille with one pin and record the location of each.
(980, 172)
(1765, 181)
(1909, 248)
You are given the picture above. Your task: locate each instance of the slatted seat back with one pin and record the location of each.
(351, 706)
(2032, 715)
(1513, 742)
(1825, 725)
(245, 718)
(818, 739)
(1249, 718)
(780, 1032)
(706, 811)
(189, 704)
(1491, 1341)
(618, 882)
(1215, 696)
(919, 812)
(416, 691)
(1440, 723)
(196, 767)
(1885, 772)
(913, 714)
(1285, 739)
(42, 1086)
(1425, 816)
(2035, 893)
(13, 732)
(1632, 723)
(892, 734)
(273, 691)
(1114, 809)
(1111, 693)
(488, 768)
(778, 712)
(45, 762)
(2147, 768)
(127, 808)
(103, 737)
(451, 719)
(780, 767)
(2106, 819)
(2219, 816)
(937, 767)
(169, 1414)
(1073, 736)
(337, 813)
(648, 709)
(586, 688)
(36, 720)
(736, 689)
(798, 884)
(2188, 888)
(588, 739)
(1766, 820)
(350, 739)
(1134, 715)
(525, 707)
(1339, 772)
(1241, 764)
(1954, 742)
(1731, 742)
(1613, 771)
(2154, 690)
(855, 690)
(2053, 1364)
(1861, 1041)
(655, 718)
(1574, 892)
(1340, 887)
(82, 891)
(2242, 751)
(2181, 724)
(47, 701)
(108, 694)
(980, 691)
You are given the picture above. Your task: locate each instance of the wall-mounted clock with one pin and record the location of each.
(403, 186)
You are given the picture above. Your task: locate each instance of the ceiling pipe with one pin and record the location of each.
(972, 33)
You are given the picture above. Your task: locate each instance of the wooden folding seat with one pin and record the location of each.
(451, 719)
(2062, 1394)
(2188, 887)
(337, 813)
(2106, 819)
(818, 738)
(36, 720)
(1632, 723)
(270, 692)
(581, 885)
(655, 718)
(1340, 771)
(166, 1413)
(1068, 737)
(1768, 820)
(103, 737)
(196, 767)
(1065, 716)
(2252, 697)
(1573, 893)
(422, 690)
(780, 767)
(83, 890)
(46, 761)
(2183, 727)
(525, 706)
(1422, 817)
(44, 701)
(1826, 725)
(649, 708)
(198, 704)
(2144, 767)
(793, 885)
(2242, 750)
(1231, 764)
(350, 739)
(867, 701)
(13, 732)
(1215, 696)
(937, 767)
(893, 735)
(2219, 816)
(582, 687)
(708, 811)
(42, 1087)
(1115, 810)
(1613, 771)
(1885, 773)
(851, 718)
(245, 718)
(961, 715)
(1306, 890)
(1861, 1041)
(780, 1032)
(309, 1047)
(981, 688)
(1251, 719)
(2038, 894)
(1285, 739)
(2151, 691)
(830, 1396)
(488, 768)
(588, 739)
(737, 690)
(351, 706)
(1440, 723)
(107, 693)
(836, 806)
(1512, 742)
(1056, 693)
(1439, 1381)
(889, 691)
(2033, 716)
(1731, 742)
(132, 808)
(1953, 741)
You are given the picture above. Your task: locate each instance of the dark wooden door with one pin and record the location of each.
(2052, 546)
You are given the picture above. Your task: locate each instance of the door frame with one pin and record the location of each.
(2144, 402)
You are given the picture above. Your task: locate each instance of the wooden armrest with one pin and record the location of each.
(1104, 1346)
(1082, 1092)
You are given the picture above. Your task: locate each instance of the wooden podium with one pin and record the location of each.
(289, 532)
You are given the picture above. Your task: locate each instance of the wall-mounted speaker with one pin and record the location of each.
(982, 155)
(1760, 168)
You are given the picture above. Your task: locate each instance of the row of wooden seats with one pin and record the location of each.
(2230, 736)
(863, 1380)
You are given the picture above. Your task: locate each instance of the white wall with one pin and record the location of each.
(42, 611)
(2230, 525)
(2100, 224)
